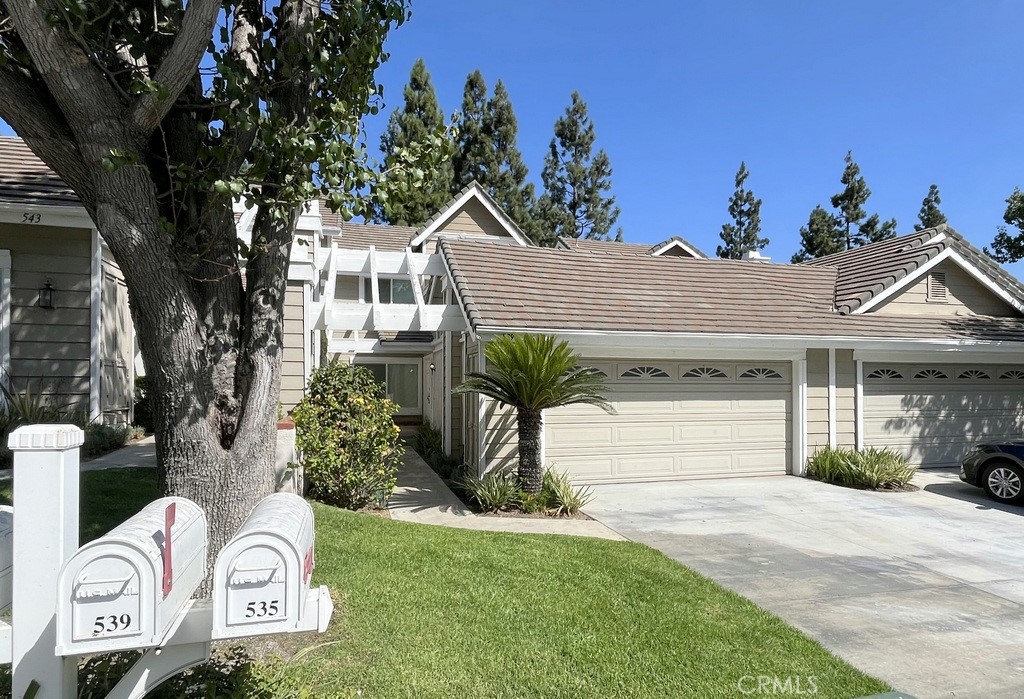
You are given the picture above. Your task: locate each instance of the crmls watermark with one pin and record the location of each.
(771, 685)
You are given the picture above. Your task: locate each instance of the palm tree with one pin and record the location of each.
(533, 373)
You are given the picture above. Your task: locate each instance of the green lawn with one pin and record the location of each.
(433, 612)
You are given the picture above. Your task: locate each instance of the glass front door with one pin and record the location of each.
(401, 382)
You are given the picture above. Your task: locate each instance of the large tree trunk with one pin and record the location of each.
(531, 471)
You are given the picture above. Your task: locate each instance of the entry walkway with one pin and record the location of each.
(422, 497)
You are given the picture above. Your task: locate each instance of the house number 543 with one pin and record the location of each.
(31, 218)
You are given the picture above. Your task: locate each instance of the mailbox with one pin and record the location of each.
(124, 590)
(6, 555)
(261, 578)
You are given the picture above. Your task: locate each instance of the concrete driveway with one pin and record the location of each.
(924, 590)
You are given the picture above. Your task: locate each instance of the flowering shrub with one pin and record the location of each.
(347, 438)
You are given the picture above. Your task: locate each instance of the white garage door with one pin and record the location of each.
(935, 413)
(677, 420)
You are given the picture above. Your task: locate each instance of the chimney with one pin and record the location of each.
(755, 256)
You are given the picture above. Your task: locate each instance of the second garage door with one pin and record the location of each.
(935, 413)
(677, 420)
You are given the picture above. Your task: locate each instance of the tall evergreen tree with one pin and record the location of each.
(855, 226)
(742, 235)
(576, 180)
(416, 122)
(930, 215)
(1009, 247)
(821, 236)
(474, 157)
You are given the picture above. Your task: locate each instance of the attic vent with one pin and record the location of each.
(937, 287)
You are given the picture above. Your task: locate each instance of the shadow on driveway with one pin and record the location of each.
(946, 482)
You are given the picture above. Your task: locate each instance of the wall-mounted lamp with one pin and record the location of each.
(46, 295)
(432, 367)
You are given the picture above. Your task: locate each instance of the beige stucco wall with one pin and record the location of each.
(293, 378)
(50, 348)
(473, 219)
(964, 295)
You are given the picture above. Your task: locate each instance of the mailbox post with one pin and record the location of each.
(45, 537)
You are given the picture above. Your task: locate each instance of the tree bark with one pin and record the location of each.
(531, 471)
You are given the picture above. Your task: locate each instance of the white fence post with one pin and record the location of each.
(45, 537)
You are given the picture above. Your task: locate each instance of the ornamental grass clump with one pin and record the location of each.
(872, 468)
(347, 437)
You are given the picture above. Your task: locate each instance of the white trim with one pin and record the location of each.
(464, 427)
(70, 216)
(859, 405)
(458, 299)
(947, 254)
(832, 437)
(543, 442)
(5, 315)
(934, 357)
(95, 328)
(446, 398)
(481, 425)
(799, 431)
(411, 360)
(444, 214)
(629, 338)
(682, 246)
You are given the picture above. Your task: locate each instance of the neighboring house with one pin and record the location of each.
(715, 367)
(65, 327)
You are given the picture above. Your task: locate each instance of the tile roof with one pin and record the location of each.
(357, 236)
(615, 248)
(869, 270)
(27, 179)
(539, 289)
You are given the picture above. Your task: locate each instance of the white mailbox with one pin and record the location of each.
(261, 578)
(125, 589)
(6, 555)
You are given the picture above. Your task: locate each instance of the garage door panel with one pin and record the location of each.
(934, 422)
(676, 428)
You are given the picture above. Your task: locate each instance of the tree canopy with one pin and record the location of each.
(1008, 245)
(743, 234)
(930, 215)
(819, 237)
(577, 180)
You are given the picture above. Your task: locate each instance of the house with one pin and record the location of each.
(715, 367)
(65, 327)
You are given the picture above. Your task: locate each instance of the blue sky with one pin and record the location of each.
(681, 92)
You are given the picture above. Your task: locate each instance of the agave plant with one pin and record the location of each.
(534, 373)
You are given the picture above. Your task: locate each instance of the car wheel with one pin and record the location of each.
(1004, 482)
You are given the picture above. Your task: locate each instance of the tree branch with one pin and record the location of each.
(179, 65)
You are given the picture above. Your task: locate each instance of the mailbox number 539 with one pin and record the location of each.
(110, 624)
(261, 609)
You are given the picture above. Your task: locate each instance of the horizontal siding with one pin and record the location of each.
(50, 348)
(293, 376)
(817, 399)
(964, 295)
(473, 219)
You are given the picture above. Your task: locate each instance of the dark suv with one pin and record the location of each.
(998, 467)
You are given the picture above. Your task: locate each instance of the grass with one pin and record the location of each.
(433, 612)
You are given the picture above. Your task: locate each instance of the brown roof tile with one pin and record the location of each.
(617, 248)
(27, 179)
(357, 236)
(534, 288)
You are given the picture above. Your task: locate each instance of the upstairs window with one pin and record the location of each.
(390, 290)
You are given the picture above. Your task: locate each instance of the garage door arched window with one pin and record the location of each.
(1013, 375)
(705, 372)
(973, 374)
(931, 374)
(644, 372)
(885, 374)
(760, 372)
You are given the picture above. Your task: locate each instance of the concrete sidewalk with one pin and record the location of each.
(138, 454)
(422, 497)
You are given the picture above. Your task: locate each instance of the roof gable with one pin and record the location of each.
(673, 247)
(677, 247)
(474, 204)
(945, 290)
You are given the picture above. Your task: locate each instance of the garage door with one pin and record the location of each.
(677, 420)
(934, 413)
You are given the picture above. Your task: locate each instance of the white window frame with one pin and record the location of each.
(413, 361)
(364, 279)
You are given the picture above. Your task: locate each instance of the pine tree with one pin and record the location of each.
(821, 236)
(419, 119)
(507, 184)
(474, 157)
(576, 180)
(930, 215)
(856, 228)
(741, 235)
(1009, 246)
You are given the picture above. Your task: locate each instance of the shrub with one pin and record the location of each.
(428, 441)
(562, 496)
(495, 491)
(871, 468)
(143, 404)
(347, 438)
(100, 439)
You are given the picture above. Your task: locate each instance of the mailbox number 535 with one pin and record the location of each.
(261, 609)
(110, 624)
